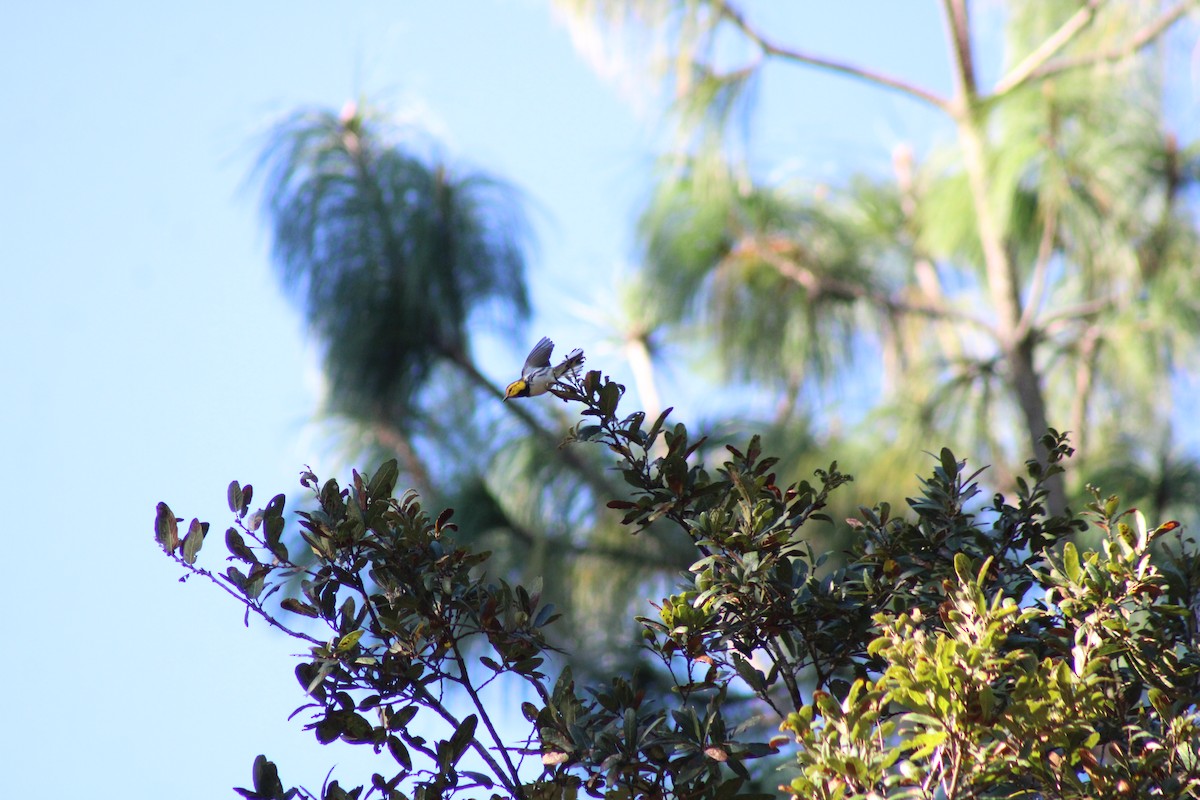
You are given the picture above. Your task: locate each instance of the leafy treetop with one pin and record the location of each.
(966, 650)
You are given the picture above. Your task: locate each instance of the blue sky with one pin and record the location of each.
(150, 355)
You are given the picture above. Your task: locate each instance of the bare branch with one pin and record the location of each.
(1047, 49)
(773, 48)
(222, 581)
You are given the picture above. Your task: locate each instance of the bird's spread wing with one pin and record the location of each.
(539, 356)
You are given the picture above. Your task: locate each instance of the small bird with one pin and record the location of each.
(537, 376)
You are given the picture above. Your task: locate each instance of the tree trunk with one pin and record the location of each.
(1017, 344)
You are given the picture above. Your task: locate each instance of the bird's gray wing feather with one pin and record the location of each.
(539, 356)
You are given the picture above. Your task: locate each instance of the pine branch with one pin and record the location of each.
(398, 442)
(960, 37)
(1078, 311)
(1048, 48)
(772, 48)
(827, 286)
(1145, 36)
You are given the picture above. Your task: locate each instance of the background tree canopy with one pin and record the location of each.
(1032, 271)
(149, 344)
(1029, 275)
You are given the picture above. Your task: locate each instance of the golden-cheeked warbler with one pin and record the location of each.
(537, 376)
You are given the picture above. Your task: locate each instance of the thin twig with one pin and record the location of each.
(511, 781)
(247, 602)
(956, 771)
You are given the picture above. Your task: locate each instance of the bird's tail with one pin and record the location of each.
(571, 363)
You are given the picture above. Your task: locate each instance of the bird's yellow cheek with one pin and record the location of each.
(515, 389)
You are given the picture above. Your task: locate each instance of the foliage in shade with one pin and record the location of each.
(967, 650)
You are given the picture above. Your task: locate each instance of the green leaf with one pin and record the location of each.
(236, 546)
(296, 607)
(1111, 505)
(234, 495)
(527, 666)
(962, 567)
(402, 717)
(329, 727)
(1139, 522)
(193, 540)
(987, 702)
(610, 395)
(652, 434)
(483, 780)
(461, 739)
(383, 482)
(275, 506)
(1070, 560)
(753, 677)
(266, 778)
(255, 581)
(399, 752)
(348, 641)
(925, 720)
(236, 577)
(926, 742)
(356, 729)
(949, 463)
(311, 676)
(273, 527)
(166, 528)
